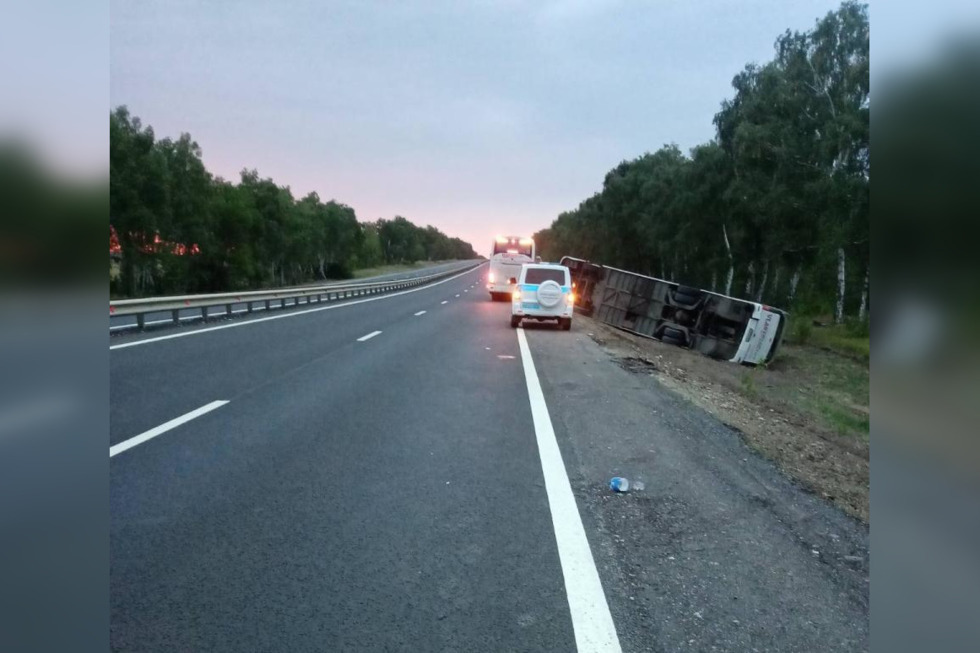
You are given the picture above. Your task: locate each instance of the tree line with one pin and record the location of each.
(775, 207)
(176, 228)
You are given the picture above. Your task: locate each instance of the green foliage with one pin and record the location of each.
(851, 339)
(182, 230)
(839, 339)
(771, 200)
(747, 384)
(857, 328)
(845, 421)
(800, 330)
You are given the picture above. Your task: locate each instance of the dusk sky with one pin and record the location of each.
(476, 117)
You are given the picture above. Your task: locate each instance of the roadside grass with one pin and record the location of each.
(822, 372)
(840, 340)
(393, 269)
(833, 389)
(747, 384)
(850, 339)
(847, 422)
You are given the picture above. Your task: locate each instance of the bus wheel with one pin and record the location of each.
(674, 334)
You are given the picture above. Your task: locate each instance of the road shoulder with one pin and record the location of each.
(720, 549)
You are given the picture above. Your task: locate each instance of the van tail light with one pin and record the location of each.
(516, 295)
(490, 277)
(571, 298)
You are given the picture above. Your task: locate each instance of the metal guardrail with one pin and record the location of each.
(281, 296)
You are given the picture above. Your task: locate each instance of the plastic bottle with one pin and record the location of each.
(619, 484)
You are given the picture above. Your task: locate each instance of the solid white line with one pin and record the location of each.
(281, 316)
(117, 449)
(369, 336)
(591, 620)
(420, 313)
(445, 301)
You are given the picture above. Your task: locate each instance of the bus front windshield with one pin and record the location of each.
(514, 247)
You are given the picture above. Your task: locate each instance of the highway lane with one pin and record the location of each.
(151, 384)
(375, 495)
(193, 315)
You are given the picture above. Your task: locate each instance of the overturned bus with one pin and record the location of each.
(719, 326)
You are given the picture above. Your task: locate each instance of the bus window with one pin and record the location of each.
(514, 247)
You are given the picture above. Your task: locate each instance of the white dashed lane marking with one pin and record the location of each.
(117, 449)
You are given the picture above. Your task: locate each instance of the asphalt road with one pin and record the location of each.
(381, 479)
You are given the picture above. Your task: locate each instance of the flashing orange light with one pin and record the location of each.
(571, 298)
(516, 295)
(527, 241)
(501, 239)
(490, 277)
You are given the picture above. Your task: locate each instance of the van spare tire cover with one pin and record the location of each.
(549, 294)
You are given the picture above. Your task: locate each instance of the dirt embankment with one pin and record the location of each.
(808, 411)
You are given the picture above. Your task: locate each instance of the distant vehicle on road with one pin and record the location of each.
(543, 292)
(719, 326)
(507, 256)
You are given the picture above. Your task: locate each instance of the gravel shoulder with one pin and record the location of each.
(721, 551)
(808, 411)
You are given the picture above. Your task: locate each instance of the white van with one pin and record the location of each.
(543, 292)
